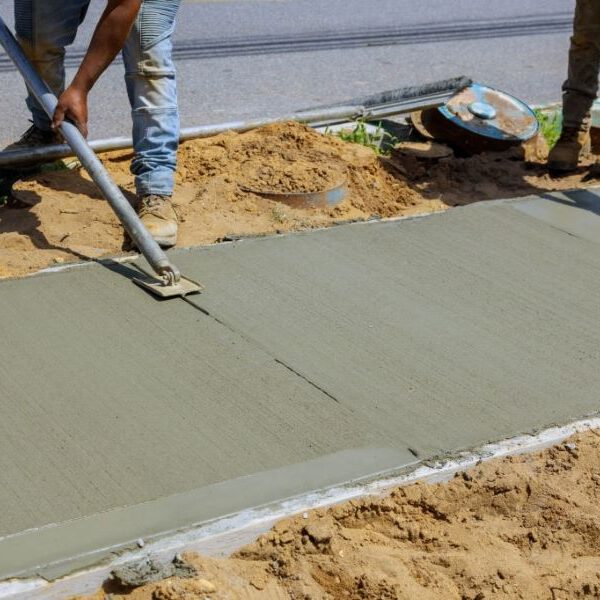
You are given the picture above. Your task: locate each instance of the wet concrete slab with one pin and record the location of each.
(310, 359)
(111, 399)
(446, 331)
(576, 212)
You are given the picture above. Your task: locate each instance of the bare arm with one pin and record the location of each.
(108, 39)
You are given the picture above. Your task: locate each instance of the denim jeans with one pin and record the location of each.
(46, 27)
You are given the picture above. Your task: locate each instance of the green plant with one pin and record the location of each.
(550, 125)
(379, 141)
(59, 165)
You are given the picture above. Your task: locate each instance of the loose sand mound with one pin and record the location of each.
(523, 527)
(62, 217)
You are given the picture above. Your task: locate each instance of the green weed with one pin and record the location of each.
(380, 141)
(550, 125)
(59, 165)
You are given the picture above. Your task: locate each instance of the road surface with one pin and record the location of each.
(243, 58)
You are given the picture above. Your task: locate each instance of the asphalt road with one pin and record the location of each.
(245, 58)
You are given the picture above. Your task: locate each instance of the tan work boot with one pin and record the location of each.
(574, 144)
(35, 137)
(160, 219)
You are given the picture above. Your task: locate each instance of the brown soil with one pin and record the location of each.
(62, 217)
(522, 527)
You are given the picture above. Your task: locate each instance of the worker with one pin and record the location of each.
(143, 30)
(579, 90)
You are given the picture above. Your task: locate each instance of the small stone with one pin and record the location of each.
(140, 542)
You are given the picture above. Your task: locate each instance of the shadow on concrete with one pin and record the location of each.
(583, 199)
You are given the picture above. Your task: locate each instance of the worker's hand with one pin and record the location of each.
(72, 105)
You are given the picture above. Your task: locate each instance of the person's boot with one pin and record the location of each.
(160, 219)
(574, 144)
(32, 138)
(35, 137)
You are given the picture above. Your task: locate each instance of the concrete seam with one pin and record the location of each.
(264, 349)
(304, 378)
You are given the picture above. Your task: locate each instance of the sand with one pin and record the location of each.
(520, 527)
(59, 216)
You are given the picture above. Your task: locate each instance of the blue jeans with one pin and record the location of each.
(46, 27)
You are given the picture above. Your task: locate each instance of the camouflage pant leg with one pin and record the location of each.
(581, 86)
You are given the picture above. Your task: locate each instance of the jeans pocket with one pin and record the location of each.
(157, 21)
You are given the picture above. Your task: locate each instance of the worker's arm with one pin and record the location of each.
(108, 39)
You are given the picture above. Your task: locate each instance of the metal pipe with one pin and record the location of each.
(49, 153)
(124, 211)
(382, 104)
(404, 96)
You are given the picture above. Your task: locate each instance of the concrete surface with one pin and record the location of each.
(310, 359)
(110, 398)
(443, 331)
(530, 63)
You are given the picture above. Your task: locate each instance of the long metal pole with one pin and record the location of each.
(22, 156)
(124, 211)
(376, 106)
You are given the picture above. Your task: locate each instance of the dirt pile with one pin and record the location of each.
(523, 527)
(60, 217)
(285, 158)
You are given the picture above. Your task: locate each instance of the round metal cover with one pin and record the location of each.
(491, 113)
(479, 118)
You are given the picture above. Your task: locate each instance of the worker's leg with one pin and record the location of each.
(581, 87)
(44, 28)
(151, 86)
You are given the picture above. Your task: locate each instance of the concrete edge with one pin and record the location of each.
(56, 550)
(224, 536)
(131, 258)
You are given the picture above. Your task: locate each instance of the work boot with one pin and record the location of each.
(574, 143)
(35, 137)
(160, 219)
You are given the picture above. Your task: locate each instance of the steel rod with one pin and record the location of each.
(122, 208)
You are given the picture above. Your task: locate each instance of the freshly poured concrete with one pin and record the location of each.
(110, 398)
(576, 212)
(310, 359)
(444, 332)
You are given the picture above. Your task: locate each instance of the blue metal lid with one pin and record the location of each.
(487, 112)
